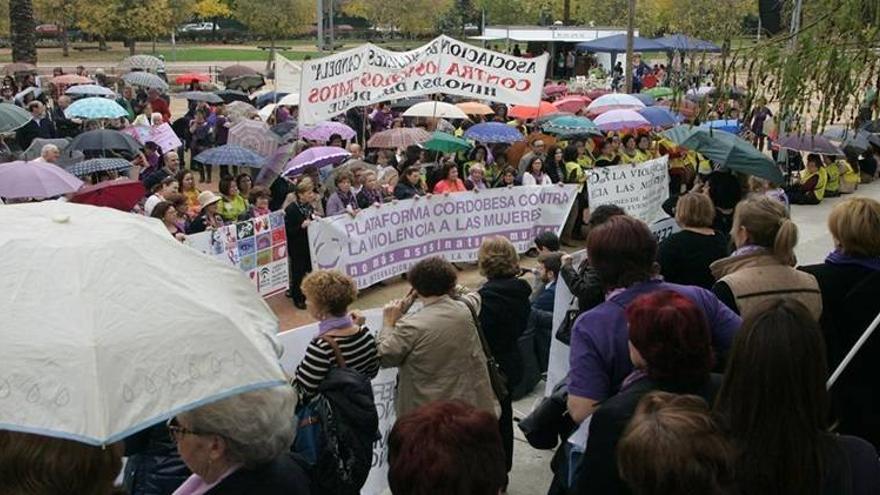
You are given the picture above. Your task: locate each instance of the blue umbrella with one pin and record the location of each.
(95, 165)
(95, 108)
(660, 116)
(732, 126)
(230, 154)
(617, 44)
(493, 132)
(682, 43)
(567, 126)
(645, 98)
(270, 97)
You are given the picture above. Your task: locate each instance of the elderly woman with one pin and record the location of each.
(671, 349)
(622, 252)
(849, 280)
(475, 179)
(328, 296)
(685, 256)
(504, 313)
(436, 348)
(371, 193)
(297, 217)
(240, 445)
(762, 266)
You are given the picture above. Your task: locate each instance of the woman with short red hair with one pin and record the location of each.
(671, 348)
(446, 447)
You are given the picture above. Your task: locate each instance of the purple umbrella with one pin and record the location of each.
(275, 164)
(324, 130)
(620, 120)
(35, 179)
(809, 143)
(319, 156)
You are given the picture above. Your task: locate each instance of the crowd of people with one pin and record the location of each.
(697, 364)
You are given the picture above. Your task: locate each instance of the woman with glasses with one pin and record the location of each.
(240, 445)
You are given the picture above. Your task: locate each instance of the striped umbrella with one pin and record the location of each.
(96, 165)
(230, 154)
(614, 101)
(619, 120)
(95, 108)
(146, 80)
(568, 126)
(141, 62)
(318, 156)
(12, 117)
(493, 132)
(400, 137)
(253, 135)
(90, 90)
(323, 131)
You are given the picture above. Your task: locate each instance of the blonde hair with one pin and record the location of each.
(497, 258)
(305, 185)
(330, 290)
(694, 210)
(768, 225)
(855, 225)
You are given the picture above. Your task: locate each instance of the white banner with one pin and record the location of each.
(382, 242)
(369, 74)
(639, 189)
(288, 75)
(257, 247)
(295, 342)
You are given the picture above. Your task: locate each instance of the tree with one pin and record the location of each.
(4, 19)
(380, 13)
(98, 17)
(23, 28)
(275, 19)
(211, 9)
(62, 13)
(140, 18)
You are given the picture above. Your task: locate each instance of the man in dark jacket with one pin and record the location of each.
(154, 467)
(541, 317)
(41, 126)
(66, 128)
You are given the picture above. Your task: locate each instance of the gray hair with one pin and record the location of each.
(48, 148)
(258, 426)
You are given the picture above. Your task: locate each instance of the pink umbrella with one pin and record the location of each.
(35, 179)
(399, 137)
(319, 156)
(571, 103)
(324, 130)
(555, 89)
(619, 120)
(254, 135)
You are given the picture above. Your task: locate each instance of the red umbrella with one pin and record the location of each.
(191, 77)
(595, 93)
(529, 112)
(571, 103)
(121, 194)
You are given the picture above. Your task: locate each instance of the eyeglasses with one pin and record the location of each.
(176, 431)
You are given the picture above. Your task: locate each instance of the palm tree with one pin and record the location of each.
(24, 31)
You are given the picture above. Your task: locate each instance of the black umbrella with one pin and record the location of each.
(244, 83)
(105, 142)
(872, 127)
(230, 95)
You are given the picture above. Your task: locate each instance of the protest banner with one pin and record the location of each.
(295, 342)
(287, 75)
(257, 247)
(563, 300)
(639, 189)
(382, 242)
(370, 74)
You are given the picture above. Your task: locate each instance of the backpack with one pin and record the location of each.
(337, 428)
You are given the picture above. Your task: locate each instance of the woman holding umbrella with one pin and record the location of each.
(297, 217)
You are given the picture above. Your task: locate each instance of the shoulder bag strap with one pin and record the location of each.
(485, 345)
(340, 361)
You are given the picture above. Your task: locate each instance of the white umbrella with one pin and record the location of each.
(146, 80)
(142, 62)
(436, 109)
(110, 325)
(266, 111)
(90, 90)
(290, 100)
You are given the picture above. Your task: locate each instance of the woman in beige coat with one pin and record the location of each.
(436, 348)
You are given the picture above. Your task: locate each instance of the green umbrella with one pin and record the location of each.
(446, 143)
(567, 126)
(726, 149)
(12, 117)
(659, 92)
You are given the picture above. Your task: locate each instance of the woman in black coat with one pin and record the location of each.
(297, 217)
(504, 314)
(685, 256)
(410, 184)
(671, 348)
(850, 281)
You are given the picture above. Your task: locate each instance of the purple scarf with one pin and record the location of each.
(748, 249)
(347, 199)
(837, 257)
(333, 323)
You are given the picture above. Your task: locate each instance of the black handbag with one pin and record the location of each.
(496, 375)
(563, 333)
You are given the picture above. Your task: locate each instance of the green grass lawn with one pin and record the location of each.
(227, 54)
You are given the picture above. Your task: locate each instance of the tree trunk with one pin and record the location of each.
(102, 44)
(23, 28)
(154, 44)
(131, 46)
(271, 54)
(630, 28)
(65, 42)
